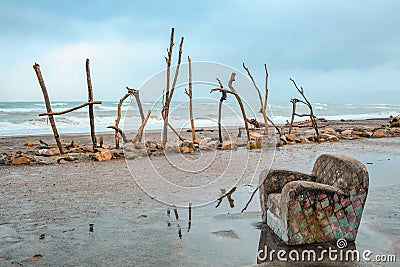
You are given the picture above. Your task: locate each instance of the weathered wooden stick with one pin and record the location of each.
(223, 97)
(266, 96)
(294, 101)
(176, 133)
(276, 127)
(141, 128)
(239, 100)
(312, 117)
(169, 59)
(135, 93)
(118, 130)
(262, 109)
(139, 103)
(90, 99)
(70, 110)
(116, 127)
(176, 70)
(36, 67)
(165, 109)
(101, 141)
(171, 92)
(190, 94)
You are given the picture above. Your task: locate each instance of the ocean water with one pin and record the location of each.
(21, 118)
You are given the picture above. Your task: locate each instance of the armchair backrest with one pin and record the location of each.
(341, 171)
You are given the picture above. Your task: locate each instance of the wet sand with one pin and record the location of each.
(46, 210)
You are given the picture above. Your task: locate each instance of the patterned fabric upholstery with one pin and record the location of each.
(322, 207)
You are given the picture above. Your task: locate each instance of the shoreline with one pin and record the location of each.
(27, 149)
(383, 119)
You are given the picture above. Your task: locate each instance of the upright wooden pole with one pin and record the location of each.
(36, 67)
(223, 97)
(294, 101)
(190, 94)
(266, 98)
(139, 103)
(166, 103)
(90, 99)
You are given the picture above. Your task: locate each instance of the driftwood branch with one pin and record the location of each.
(263, 105)
(168, 60)
(293, 101)
(118, 130)
(308, 104)
(175, 132)
(239, 100)
(116, 127)
(170, 90)
(190, 94)
(176, 70)
(141, 128)
(139, 103)
(223, 97)
(91, 110)
(274, 125)
(266, 99)
(69, 110)
(36, 67)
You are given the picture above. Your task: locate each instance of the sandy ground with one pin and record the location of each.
(46, 211)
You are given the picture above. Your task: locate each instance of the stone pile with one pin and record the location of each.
(333, 135)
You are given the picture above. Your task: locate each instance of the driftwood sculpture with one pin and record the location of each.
(308, 104)
(50, 113)
(169, 91)
(239, 100)
(139, 134)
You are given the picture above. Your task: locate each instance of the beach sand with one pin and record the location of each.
(90, 213)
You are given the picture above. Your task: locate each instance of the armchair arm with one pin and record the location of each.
(274, 180)
(296, 188)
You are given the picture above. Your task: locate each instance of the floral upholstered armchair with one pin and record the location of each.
(322, 207)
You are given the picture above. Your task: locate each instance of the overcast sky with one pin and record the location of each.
(339, 51)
